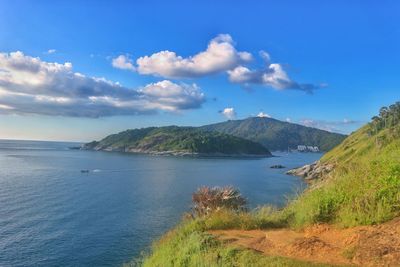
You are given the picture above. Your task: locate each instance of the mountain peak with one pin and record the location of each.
(277, 135)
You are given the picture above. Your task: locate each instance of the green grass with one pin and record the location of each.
(190, 245)
(364, 188)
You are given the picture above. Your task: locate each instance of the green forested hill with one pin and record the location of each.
(178, 140)
(230, 137)
(277, 135)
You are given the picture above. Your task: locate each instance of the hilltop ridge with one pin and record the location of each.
(277, 135)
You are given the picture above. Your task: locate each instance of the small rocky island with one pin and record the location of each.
(179, 141)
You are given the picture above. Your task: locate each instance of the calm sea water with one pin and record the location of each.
(53, 215)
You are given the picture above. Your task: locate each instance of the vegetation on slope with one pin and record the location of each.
(363, 189)
(178, 140)
(277, 135)
(189, 244)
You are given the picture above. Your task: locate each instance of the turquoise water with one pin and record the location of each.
(51, 214)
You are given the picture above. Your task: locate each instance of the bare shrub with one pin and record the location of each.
(207, 200)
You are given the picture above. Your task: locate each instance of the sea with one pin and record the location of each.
(53, 214)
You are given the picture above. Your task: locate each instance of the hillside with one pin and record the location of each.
(347, 218)
(364, 184)
(277, 135)
(178, 141)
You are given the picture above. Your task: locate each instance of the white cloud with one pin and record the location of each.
(5, 107)
(330, 126)
(171, 96)
(219, 56)
(319, 124)
(348, 121)
(51, 51)
(263, 115)
(123, 62)
(265, 56)
(288, 120)
(229, 113)
(29, 85)
(273, 75)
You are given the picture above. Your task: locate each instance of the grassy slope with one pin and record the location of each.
(277, 135)
(180, 139)
(365, 184)
(363, 189)
(190, 245)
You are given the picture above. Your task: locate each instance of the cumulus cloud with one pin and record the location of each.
(29, 85)
(166, 95)
(263, 115)
(229, 113)
(51, 51)
(220, 56)
(273, 75)
(123, 62)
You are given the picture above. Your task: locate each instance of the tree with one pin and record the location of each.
(383, 113)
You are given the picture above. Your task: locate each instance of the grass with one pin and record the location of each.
(190, 245)
(363, 189)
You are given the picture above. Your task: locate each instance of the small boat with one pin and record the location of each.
(84, 171)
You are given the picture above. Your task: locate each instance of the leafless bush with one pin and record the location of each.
(210, 199)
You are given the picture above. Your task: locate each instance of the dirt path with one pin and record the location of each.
(361, 246)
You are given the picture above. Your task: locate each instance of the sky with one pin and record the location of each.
(80, 70)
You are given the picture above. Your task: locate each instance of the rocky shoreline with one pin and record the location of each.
(175, 153)
(312, 172)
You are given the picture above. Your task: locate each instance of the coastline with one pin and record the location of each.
(181, 153)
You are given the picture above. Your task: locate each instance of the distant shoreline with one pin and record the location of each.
(183, 153)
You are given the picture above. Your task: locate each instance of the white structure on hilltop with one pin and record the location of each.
(303, 148)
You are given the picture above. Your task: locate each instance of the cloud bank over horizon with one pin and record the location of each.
(29, 85)
(330, 126)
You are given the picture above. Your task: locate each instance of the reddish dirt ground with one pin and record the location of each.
(360, 246)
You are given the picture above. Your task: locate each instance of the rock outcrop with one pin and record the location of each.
(312, 172)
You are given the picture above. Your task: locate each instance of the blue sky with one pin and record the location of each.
(325, 64)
